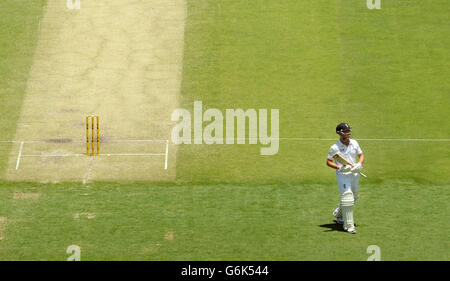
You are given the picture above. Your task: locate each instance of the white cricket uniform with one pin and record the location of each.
(348, 180)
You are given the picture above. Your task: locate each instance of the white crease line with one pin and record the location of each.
(113, 141)
(167, 155)
(88, 172)
(106, 154)
(80, 141)
(19, 156)
(53, 155)
(132, 154)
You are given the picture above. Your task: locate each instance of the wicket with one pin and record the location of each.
(91, 121)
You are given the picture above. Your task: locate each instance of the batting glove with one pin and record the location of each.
(357, 168)
(345, 169)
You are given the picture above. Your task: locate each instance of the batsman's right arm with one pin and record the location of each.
(330, 163)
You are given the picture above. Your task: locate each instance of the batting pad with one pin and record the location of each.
(347, 202)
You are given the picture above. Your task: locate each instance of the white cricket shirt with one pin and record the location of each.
(350, 152)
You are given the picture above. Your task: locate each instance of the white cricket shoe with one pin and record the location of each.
(351, 230)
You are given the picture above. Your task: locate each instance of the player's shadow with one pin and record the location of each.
(332, 227)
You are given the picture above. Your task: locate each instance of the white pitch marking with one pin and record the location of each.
(167, 155)
(88, 172)
(112, 141)
(133, 154)
(54, 155)
(82, 141)
(82, 155)
(19, 156)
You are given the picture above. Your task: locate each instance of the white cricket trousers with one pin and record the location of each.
(348, 182)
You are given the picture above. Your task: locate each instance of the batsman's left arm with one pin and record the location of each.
(361, 158)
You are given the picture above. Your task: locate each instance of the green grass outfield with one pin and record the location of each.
(221, 222)
(319, 62)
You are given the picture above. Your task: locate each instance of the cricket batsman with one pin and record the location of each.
(347, 158)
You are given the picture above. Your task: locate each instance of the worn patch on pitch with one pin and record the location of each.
(151, 249)
(85, 215)
(3, 224)
(169, 236)
(62, 140)
(23, 195)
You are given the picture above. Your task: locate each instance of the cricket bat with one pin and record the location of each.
(341, 159)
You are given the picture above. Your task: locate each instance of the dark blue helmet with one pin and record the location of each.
(342, 127)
